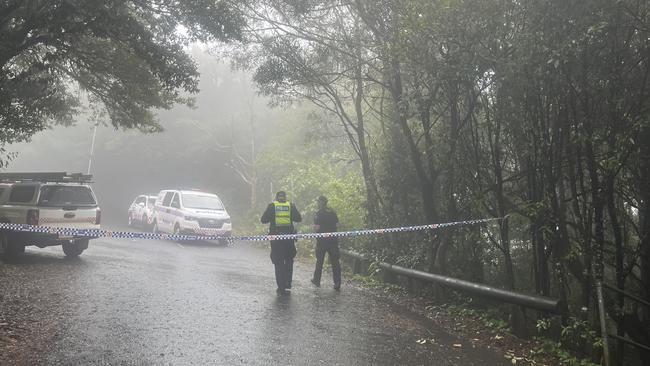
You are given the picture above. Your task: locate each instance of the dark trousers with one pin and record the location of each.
(282, 254)
(330, 247)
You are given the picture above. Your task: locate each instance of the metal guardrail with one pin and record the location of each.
(627, 294)
(603, 319)
(536, 302)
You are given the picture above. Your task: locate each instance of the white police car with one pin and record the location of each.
(141, 211)
(191, 212)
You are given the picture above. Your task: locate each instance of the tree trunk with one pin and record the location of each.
(449, 183)
(372, 194)
(425, 183)
(576, 185)
(497, 166)
(643, 315)
(598, 206)
(619, 260)
(540, 261)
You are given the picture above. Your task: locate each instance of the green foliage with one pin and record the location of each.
(557, 349)
(574, 336)
(543, 325)
(304, 161)
(490, 319)
(537, 109)
(127, 56)
(374, 281)
(328, 175)
(577, 332)
(565, 356)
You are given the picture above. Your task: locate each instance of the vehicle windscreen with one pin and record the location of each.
(66, 196)
(22, 194)
(202, 202)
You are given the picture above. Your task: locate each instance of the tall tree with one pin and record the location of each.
(126, 55)
(316, 52)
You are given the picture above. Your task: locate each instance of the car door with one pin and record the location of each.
(150, 203)
(174, 210)
(131, 211)
(138, 206)
(165, 215)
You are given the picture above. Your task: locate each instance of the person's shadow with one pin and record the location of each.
(277, 330)
(282, 303)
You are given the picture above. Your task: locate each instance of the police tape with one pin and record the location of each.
(99, 233)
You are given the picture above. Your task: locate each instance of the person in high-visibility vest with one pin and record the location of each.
(280, 215)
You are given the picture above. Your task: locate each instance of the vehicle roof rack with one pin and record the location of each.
(44, 177)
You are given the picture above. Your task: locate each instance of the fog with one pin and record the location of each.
(192, 152)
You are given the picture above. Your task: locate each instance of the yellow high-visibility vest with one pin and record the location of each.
(282, 213)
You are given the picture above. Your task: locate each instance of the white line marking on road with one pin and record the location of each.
(180, 245)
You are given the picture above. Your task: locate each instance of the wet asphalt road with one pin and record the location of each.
(138, 302)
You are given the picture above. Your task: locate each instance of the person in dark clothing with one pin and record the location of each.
(325, 221)
(280, 215)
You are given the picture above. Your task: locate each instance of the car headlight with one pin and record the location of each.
(191, 218)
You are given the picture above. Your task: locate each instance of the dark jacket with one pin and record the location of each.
(268, 217)
(326, 219)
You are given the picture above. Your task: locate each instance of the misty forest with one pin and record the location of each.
(400, 112)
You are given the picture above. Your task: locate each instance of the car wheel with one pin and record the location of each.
(144, 224)
(82, 243)
(14, 250)
(4, 242)
(177, 230)
(75, 248)
(155, 227)
(9, 248)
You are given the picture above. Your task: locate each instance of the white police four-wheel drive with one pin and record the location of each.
(59, 200)
(191, 212)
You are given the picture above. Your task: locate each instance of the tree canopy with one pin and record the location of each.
(535, 110)
(126, 56)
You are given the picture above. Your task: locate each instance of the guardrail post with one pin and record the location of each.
(603, 324)
(355, 265)
(619, 338)
(518, 321)
(389, 277)
(414, 286)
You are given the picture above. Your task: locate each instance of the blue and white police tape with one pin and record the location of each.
(99, 233)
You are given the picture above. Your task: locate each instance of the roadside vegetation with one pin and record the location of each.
(487, 326)
(452, 110)
(402, 113)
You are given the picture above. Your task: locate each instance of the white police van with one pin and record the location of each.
(191, 212)
(58, 200)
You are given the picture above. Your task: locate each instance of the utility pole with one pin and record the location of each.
(92, 148)
(253, 162)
